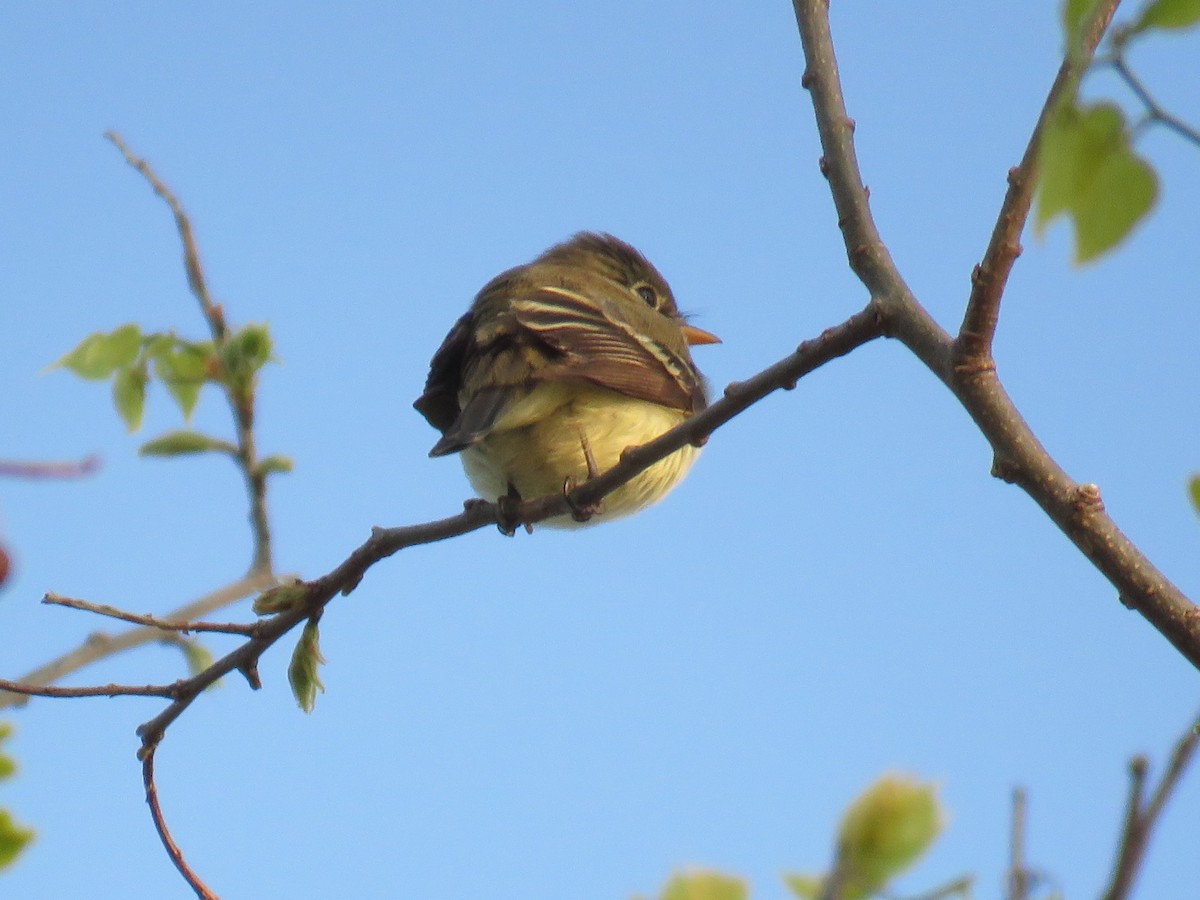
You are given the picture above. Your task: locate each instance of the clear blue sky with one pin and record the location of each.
(838, 589)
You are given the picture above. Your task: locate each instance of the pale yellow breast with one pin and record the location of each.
(541, 442)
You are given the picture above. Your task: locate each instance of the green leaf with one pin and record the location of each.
(184, 367)
(281, 598)
(306, 662)
(8, 766)
(281, 464)
(1194, 490)
(704, 886)
(129, 394)
(244, 353)
(13, 838)
(180, 443)
(1169, 14)
(1090, 172)
(198, 657)
(1122, 193)
(806, 887)
(100, 354)
(883, 833)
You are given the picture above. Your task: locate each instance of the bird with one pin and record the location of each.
(559, 366)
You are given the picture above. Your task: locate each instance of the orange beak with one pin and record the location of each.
(694, 335)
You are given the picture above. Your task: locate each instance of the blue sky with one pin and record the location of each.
(837, 590)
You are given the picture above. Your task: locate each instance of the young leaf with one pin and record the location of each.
(280, 598)
(1194, 490)
(806, 887)
(129, 394)
(884, 831)
(244, 353)
(180, 443)
(704, 886)
(13, 838)
(306, 662)
(1169, 14)
(100, 354)
(184, 367)
(281, 464)
(1090, 172)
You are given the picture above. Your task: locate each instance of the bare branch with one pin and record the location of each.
(102, 690)
(1141, 816)
(1018, 871)
(1155, 112)
(973, 347)
(164, 834)
(1019, 457)
(99, 645)
(148, 620)
(56, 470)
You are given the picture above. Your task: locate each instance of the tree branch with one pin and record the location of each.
(164, 834)
(168, 624)
(1141, 816)
(241, 404)
(1018, 871)
(1019, 457)
(973, 346)
(99, 645)
(50, 470)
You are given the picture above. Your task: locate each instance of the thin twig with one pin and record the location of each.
(164, 833)
(241, 403)
(100, 690)
(148, 620)
(1141, 816)
(1018, 872)
(55, 470)
(99, 645)
(1018, 455)
(973, 346)
(1155, 112)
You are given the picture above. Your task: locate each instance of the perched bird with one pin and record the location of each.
(559, 366)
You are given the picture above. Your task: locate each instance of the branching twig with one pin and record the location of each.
(973, 346)
(99, 645)
(1155, 112)
(1141, 815)
(102, 609)
(1018, 455)
(241, 403)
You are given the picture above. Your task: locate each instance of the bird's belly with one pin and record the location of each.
(536, 458)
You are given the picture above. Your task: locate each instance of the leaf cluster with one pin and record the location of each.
(13, 837)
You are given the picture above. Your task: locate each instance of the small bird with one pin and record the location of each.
(559, 366)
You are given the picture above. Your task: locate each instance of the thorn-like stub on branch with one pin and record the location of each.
(977, 275)
(1088, 499)
(1004, 469)
(851, 124)
(1126, 602)
(823, 165)
(1014, 176)
(806, 80)
(700, 441)
(250, 673)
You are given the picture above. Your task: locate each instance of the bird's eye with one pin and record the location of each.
(647, 293)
